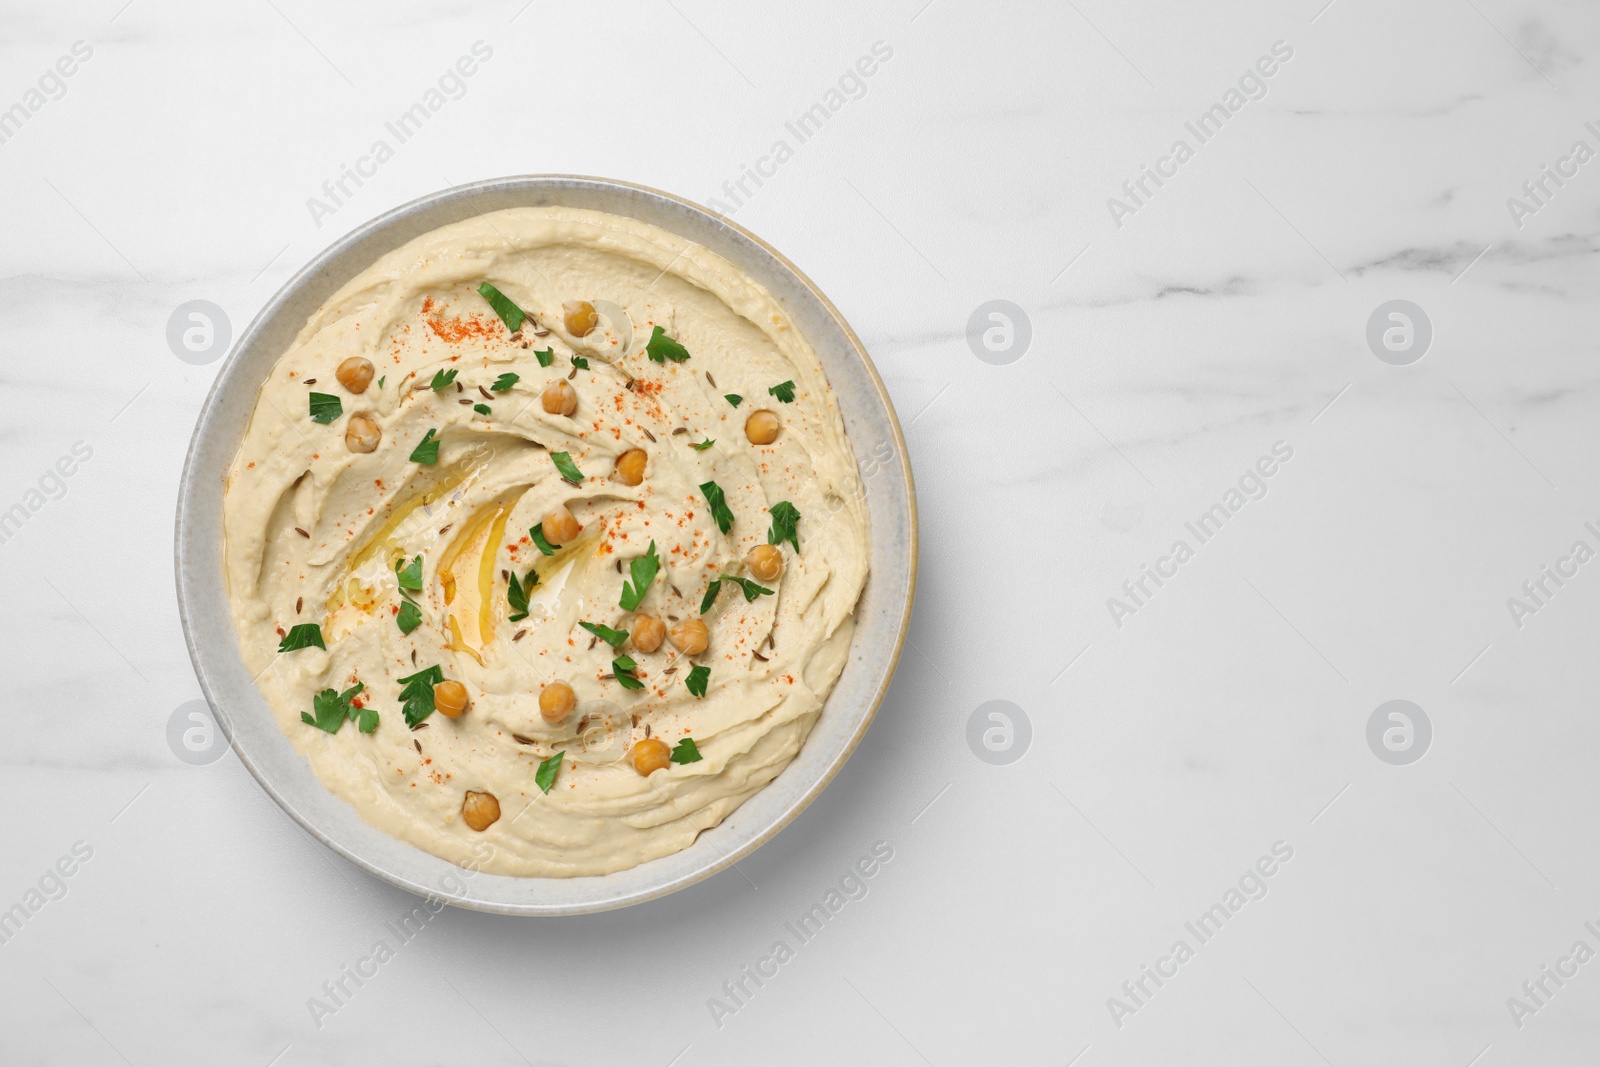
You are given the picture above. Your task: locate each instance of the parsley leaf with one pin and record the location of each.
(661, 348)
(410, 616)
(505, 381)
(366, 720)
(703, 445)
(784, 391)
(427, 450)
(643, 571)
(733, 398)
(442, 379)
(580, 362)
(697, 680)
(686, 752)
(333, 708)
(536, 531)
(418, 693)
(305, 635)
(380, 381)
(785, 517)
(569, 470)
(719, 506)
(482, 409)
(517, 594)
(547, 357)
(325, 407)
(623, 667)
(545, 776)
(751, 590)
(503, 305)
(409, 575)
(614, 638)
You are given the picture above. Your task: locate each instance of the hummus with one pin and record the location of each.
(385, 530)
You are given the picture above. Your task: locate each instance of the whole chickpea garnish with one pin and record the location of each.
(650, 755)
(580, 317)
(630, 466)
(761, 427)
(479, 810)
(648, 633)
(690, 637)
(355, 374)
(560, 526)
(450, 700)
(765, 562)
(362, 433)
(556, 702)
(559, 398)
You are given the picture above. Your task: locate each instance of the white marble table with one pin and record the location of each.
(1163, 345)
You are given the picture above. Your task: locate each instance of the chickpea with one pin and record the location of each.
(580, 317)
(560, 398)
(450, 700)
(650, 755)
(765, 562)
(648, 633)
(556, 702)
(690, 637)
(560, 526)
(479, 810)
(355, 374)
(630, 466)
(761, 427)
(362, 433)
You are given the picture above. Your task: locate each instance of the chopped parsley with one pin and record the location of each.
(380, 381)
(703, 445)
(482, 409)
(643, 571)
(417, 696)
(410, 616)
(733, 398)
(661, 348)
(505, 381)
(686, 752)
(785, 518)
(427, 450)
(325, 407)
(580, 362)
(545, 776)
(569, 470)
(697, 680)
(614, 638)
(503, 305)
(333, 709)
(536, 531)
(442, 379)
(784, 391)
(623, 667)
(547, 357)
(517, 594)
(751, 590)
(409, 575)
(719, 506)
(305, 635)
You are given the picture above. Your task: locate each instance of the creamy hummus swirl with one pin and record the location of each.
(315, 534)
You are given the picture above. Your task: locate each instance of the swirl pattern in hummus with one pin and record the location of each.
(314, 532)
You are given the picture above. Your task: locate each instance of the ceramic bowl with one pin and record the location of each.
(241, 711)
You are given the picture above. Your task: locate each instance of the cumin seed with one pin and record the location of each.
(680, 429)
(309, 381)
(518, 635)
(486, 394)
(650, 435)
(299, 600)
(519, 739)
(301, 532)
(710, 379)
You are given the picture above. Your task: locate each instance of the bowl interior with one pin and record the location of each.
(242, 712)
